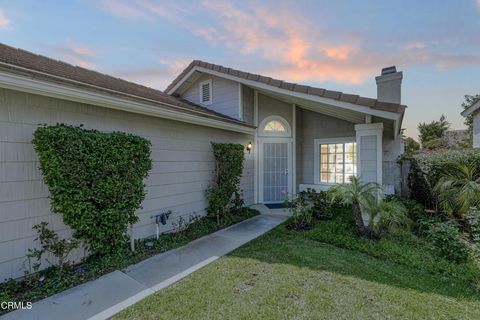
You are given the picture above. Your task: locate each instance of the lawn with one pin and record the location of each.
(282, 275)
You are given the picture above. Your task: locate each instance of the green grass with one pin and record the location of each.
(290, 276)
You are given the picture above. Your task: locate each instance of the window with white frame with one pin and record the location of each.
(206, 92)
(274, 126)
(335, 160)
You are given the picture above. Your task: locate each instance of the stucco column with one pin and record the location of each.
(369, 151)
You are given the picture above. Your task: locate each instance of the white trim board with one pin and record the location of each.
(261, 141)
(316, 156)
(371, 129)
(263, 86)
(255, 147)
(65, 92)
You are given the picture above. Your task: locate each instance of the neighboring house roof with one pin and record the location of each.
(22, 61)
(320, 92)
(471, 110)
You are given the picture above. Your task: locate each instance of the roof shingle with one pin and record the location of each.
(336, 95)
(24, 61)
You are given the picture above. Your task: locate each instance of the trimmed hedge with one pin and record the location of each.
(427, 168)
(95, 181)
(228, 171)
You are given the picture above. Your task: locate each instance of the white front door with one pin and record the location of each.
(275, 169)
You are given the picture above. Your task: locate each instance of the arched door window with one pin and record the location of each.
(274, 126)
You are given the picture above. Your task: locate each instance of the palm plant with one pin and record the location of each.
(360, 196)
(389, 217)
(458, 189)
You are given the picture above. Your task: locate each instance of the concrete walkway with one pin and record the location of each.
(113, 292)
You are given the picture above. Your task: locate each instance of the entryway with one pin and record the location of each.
(275, 160)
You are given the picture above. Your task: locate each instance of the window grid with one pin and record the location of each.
(337, 162)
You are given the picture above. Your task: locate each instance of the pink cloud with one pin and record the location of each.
(289, 45)
(478, 3)
(77, 54)
(5, 23)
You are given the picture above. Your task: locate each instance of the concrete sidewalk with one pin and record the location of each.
(113, 292)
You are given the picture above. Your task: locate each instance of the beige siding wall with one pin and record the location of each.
(182, 168)
(225, 95)
(268, 106)
(247, 104)
(313, 126)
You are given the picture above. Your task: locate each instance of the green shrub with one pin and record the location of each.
(389, 217)
(228, 171)
(51, 243)
(415, 210)
(322, 202)
(302, 213)
(95, 181)
(458, 189)
(445, 238)
(406, 249)
(427, 169)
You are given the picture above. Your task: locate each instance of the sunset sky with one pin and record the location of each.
(338, 45)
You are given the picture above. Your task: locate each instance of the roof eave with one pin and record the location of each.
(471, 110)
(255, 84)
(24, 83)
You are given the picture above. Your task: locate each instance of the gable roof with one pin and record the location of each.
(21, 61)
(471, 109)
(294, 87)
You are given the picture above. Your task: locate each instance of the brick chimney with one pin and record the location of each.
(389, 85)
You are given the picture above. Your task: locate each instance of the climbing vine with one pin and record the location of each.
(95, 181)
(229, 159)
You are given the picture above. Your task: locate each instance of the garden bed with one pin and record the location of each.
(48, 282)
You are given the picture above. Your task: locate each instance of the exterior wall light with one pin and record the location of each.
(249, 146)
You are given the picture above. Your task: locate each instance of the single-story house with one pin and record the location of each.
(474, 111)
(302, 137)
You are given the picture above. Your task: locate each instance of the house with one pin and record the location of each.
(474, 111)
(302, 137)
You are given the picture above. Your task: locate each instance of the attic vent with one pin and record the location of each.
(206, 92)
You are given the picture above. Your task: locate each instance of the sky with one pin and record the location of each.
(338, 45)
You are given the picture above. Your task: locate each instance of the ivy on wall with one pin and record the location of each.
(229, 159)
(95, 179)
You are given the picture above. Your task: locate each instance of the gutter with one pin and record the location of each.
(149, 107)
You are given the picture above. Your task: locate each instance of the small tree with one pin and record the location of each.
(52, 244)
(432, 135)
(411, 145)
(228, 171)
(458, 189)
(360, 196)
